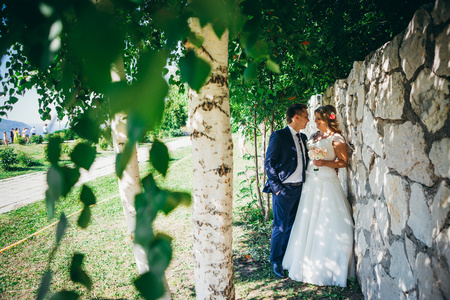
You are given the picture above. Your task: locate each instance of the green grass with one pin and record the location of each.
(108, 250)
(39, 163)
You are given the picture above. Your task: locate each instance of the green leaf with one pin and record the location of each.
(159, 157)
(195, 40)
(273, 66)
(65, 295)
(87, 196)
(150, 285)
(173, 199)
(85, 217)
(71, 176)
(13, 100)
(55, 186)
(77, 274)
(83, 155)
(145, 215)
(96, 41)
(44, 286)
(54, 149)
(87, 127)
(194, 70)
(122, 159)
(159, 254)
(250, 73)
(61, 227)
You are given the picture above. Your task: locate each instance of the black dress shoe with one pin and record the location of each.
(277, 269)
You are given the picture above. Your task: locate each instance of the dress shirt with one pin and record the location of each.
(297, 176)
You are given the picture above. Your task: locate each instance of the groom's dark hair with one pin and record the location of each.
(293, 110)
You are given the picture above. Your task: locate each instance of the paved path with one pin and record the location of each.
(25, 189)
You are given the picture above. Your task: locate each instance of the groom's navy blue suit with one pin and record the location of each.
(281, 162)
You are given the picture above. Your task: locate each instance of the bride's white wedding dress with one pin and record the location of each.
(320, 248)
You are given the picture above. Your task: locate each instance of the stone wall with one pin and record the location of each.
(394, 108)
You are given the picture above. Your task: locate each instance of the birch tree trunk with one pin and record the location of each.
(267, 210)
(130, 183)
(212, 147)
(258, 190)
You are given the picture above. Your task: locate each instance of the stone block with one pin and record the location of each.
(419, 215)
(430, 99)
(441, 62)
(400, 269)
(377, 176)
(361, 181)
(367, 156)
(440, 157)
(372, 95)
(373, 66)
(390, 98)
(361, 100)
(353, 78)
(370, 134)
(361, 245)
(405, 152)
(441, 11)
(389, 59)
(411, 253)
(412, 50)
(387, 286)
(427, 282)
(443, 245)
(382, 218)
(441, 288)
(378, 248)
(367, 279)
(440, 208)
(397, 202)
(365, 216)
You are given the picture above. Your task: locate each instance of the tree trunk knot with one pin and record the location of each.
(223, 170)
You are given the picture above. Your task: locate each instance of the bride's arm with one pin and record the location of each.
(341, 157)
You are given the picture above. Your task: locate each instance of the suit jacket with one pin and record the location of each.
(281, 159)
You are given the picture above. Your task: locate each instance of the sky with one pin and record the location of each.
(26, 110)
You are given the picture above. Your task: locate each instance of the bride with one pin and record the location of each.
(320, 247)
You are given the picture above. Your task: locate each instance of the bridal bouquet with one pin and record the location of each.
(317, 153)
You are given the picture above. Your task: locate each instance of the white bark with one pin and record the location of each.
(130, 183)
(212, 146)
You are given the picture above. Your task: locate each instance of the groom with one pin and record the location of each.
(285, 164)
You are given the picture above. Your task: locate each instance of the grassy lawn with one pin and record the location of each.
(36, 152)
(108, 249)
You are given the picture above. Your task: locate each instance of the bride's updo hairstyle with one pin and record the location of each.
(328, 114)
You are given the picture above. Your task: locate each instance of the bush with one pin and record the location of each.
(36, 139)
(8, 158)
(21, 140)
(66, 148)
(104, 144)
(24, 159)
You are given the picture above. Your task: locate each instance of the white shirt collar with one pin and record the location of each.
(293, 130)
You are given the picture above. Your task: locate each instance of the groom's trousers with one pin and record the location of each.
(284, 208)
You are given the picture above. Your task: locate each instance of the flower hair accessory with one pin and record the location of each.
(332, 116)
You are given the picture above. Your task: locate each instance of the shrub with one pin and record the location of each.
(104, 144)
(24, 159)
(36, 139)
(8, 158)
(66, 148)
(21, 140)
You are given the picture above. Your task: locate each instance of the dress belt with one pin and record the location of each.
(293, 184)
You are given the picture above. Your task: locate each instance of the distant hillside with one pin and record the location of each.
(6, 125)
